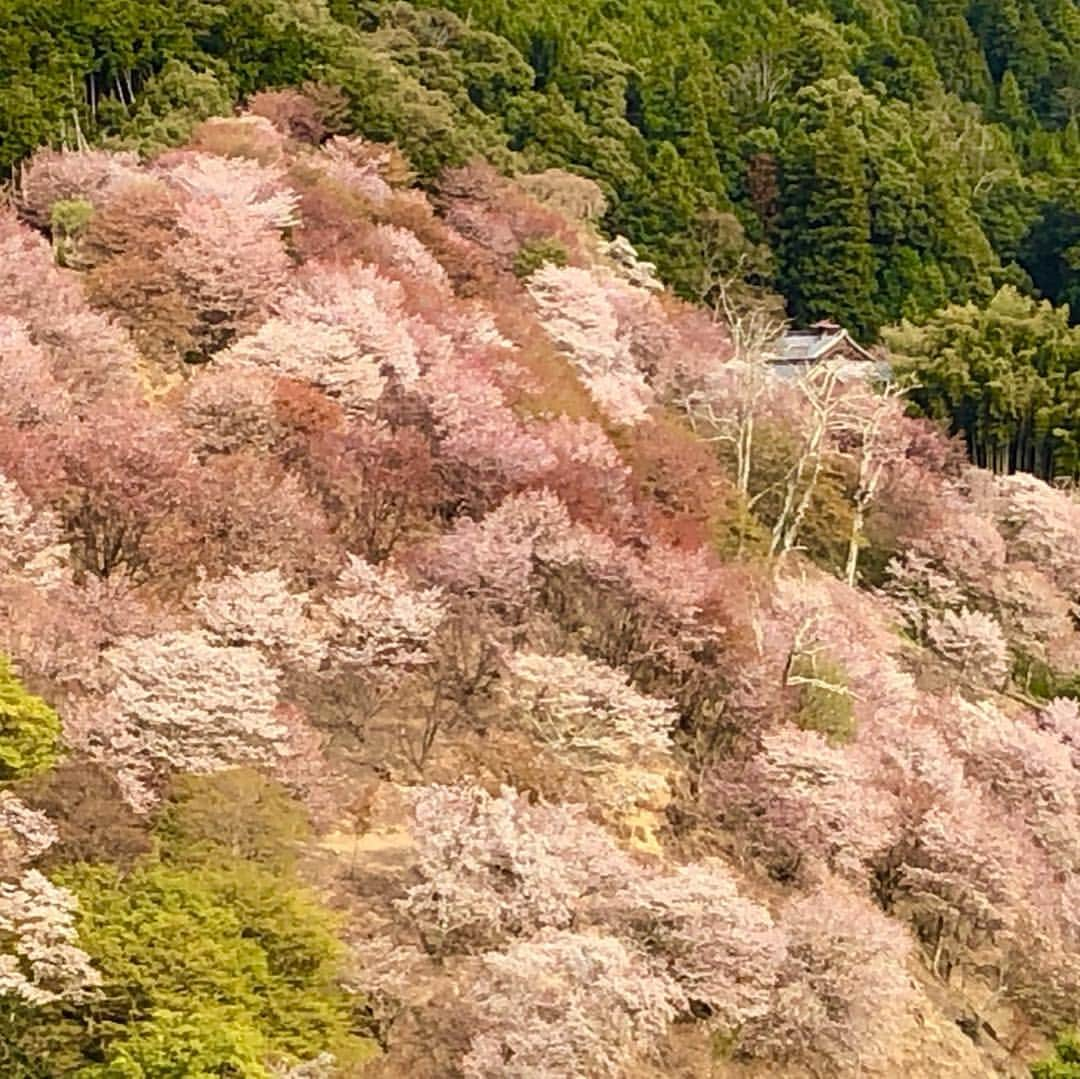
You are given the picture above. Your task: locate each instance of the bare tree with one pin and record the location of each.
(864, 431)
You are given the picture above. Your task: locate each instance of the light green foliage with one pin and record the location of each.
(825, 705)
(1063, 1063)
(231, 815)
(1003, 375)
(239, 945)
(215, 960)
(29, 729)
(69, 217)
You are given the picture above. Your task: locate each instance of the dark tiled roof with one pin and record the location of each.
(809, 346)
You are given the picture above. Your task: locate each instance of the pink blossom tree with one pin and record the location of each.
(326, 356)
(802, 803)
(382, 624)
(722, 949)
(364, 308)
(842, 986)
(229, 410)
(1040, 525)
(498, 867)
(25, 833)
(42, 962)
(123, 481)
(30, 540)
(973, 641)
(566, 1004)
(179, 701)
(31, 394)
(586, 712)
(229, 261)
(257, 608)
(52, 176)
(579, 311)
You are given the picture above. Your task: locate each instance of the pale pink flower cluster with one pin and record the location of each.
(356, 165)
(238, 182)
(257, 608)
(566, 1004)
(52, 176)
(45, 963)
(586, 711)
(25, 833)
(381, 624)
(494, 867)
(578, 310)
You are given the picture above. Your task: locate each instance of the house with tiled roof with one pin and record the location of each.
(824, 342)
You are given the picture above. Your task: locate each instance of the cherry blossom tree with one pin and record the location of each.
(327, 356)
(491, 451)
(90, 356)
(231, 410)
(25, 833)
(722, 949)
(30, 540)
(228, 257)
(179, 701)
(31, 394)
(1030, 771)
(400, 251)
(566, 1004)
(253, 514)
(801, 803)
(586, 712)
(498, 867)
(52, 176)
(842, 988)
(257, 608)
(1040, 525)
(382, 624)
(576, 308)
(122, 481)
(44, 963)
(973, 641)
(366, 308)
(377, 483)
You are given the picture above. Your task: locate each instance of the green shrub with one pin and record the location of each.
(533, 254)
(29, 729)
(219, 967)
(824, 703)
(219, 818)
(1064, 1063)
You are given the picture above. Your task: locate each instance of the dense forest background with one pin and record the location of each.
(869, 160)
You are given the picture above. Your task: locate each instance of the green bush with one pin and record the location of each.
(217, 969)
(1064, 1063)
(29, 729)
(824, 703)
(533, 254)
(215, 961)
(219, 818)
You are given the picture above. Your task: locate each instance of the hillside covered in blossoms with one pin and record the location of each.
(430, 648)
